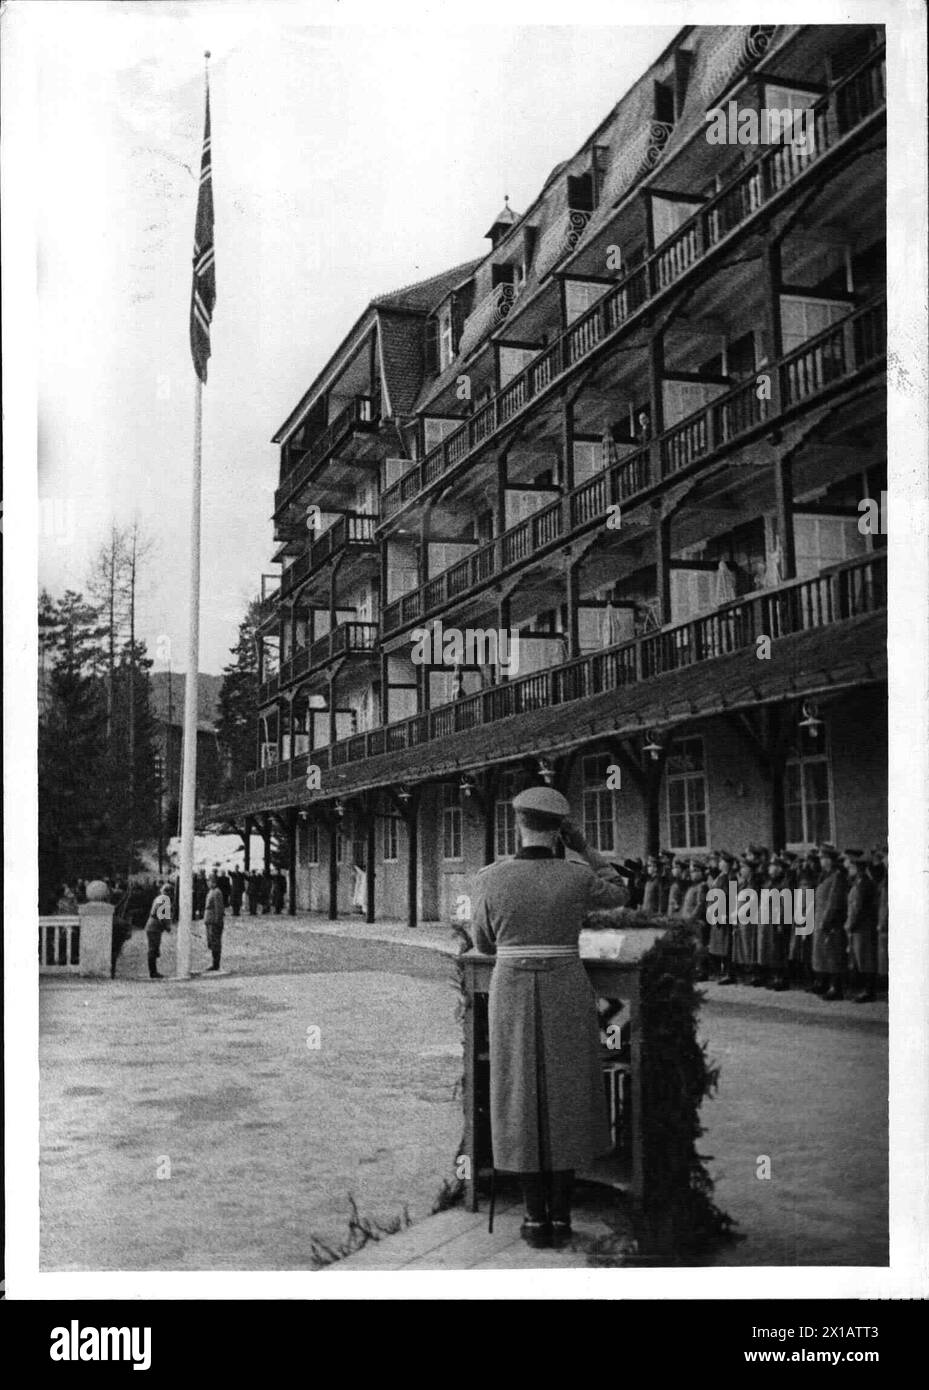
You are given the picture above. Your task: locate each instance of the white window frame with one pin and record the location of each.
(505, 832)
(799, 759)
(594, 770)
(452, 828)
(390, 839)
(699, 774)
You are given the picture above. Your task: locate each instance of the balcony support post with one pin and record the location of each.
(663, 567)
(411, 816)
(653, 773)
(266, 836)
(656, 402)
(503, 625)
(292, 824)
(784, 506)
(573, 605)
(369, 808)
(247, 839)
(332, 711)
(500, 504)
(771, 264)
(332, 826)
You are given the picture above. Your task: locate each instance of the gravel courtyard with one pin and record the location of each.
(213, 1082)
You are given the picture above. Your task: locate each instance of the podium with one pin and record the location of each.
(613, 976)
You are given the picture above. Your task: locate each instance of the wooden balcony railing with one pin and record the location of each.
(360, 413)
(344, 639)
(845, 591)
(837, 119)
(353, 528)
(850, 346)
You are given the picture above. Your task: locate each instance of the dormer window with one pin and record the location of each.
(446, 336)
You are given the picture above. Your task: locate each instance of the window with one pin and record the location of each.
(506, 842)
(686, 778)
(446, 337)
(391, 838)
(598, 805)
(808, 792)
(312, 843)
(451, 821)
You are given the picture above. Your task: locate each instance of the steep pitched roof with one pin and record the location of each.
(426, 294)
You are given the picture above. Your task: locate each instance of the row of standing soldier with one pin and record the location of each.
(848, 944)
(241, 892)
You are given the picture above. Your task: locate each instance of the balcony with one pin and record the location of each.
(562, 236)
(346, 639)
(852, 346)
(361, 414)
(488, 315)
(839, 119)
(838, 595)
(736, 52)
(353, 529)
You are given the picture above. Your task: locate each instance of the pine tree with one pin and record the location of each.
(238, 702)
(73, 814)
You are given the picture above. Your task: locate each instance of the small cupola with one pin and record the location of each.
(505, 219)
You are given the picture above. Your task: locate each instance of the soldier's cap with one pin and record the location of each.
(878, 849)
(827, 849)
(724, 854)
(694, 863)
(633, 865)
(856, 854)
(543, 799)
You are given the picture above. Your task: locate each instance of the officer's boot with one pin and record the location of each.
(559, 1205)
(535, 1230)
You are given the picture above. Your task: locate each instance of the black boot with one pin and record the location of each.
(560, 1183)
(536, 1229)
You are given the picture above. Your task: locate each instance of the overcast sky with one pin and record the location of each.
(347, 161)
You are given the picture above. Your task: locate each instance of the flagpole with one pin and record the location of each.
(191, 693)
(192, 679)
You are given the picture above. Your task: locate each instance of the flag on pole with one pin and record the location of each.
(203, 292)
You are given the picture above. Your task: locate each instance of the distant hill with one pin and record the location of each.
(208, 688)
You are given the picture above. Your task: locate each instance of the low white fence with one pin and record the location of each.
(59, 945)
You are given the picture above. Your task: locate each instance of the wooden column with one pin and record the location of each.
(248, 843)
(656, 401)
(784, 505)
(567, 445)
(771, 270)
(412, 838)
(333, 828)
(491, 782)
(663, 567)
(293, 821)
(370, 852)
(653, 774)
(572, 603)
(266, 835)
(503, 624)
(332, 710)
(500, 508)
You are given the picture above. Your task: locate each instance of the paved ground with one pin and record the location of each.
(267, 1138)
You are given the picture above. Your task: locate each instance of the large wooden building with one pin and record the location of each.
(636, 434)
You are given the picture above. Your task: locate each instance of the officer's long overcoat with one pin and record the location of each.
(547, 1103)
(830, 944)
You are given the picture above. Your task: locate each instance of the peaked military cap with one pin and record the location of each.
(544, 799)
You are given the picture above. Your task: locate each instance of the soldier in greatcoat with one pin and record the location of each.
(861, 926)
(805, 873)
(548, 1108)
(693, 912)
(744, 934)
(774, 936)
(830, 943)
(214, 912)
(677, 887)
(652, 888)
(720, 944)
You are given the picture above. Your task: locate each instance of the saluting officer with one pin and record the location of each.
(547, 1105)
